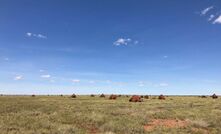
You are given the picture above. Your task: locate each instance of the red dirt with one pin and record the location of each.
(168, 123)
(90, 128)
(93, 130)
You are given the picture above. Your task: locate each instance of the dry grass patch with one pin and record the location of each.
(86, 114)
(167, 123)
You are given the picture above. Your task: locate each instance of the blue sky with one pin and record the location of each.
(115, 46)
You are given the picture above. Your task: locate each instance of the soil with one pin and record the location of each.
(167, 123)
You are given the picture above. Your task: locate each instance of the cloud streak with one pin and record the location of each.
(125, 42)
(162, 85)
(206, 10)
(214, 18)
(122, 41)
(45, 76)
(40, 36)
(165, 56)
(18, 77)
(211, 17)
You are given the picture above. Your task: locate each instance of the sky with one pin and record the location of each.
(168, 47)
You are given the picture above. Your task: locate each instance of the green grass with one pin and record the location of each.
(85, 114)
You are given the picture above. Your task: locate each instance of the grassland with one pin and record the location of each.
(85, 114)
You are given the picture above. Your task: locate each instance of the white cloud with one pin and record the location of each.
(163, 84)
(18, 77)
(217, 20)
(45, 76)
(28, 34)
(122, 41)
(165, 56)
(145, 83)
(41, 36)
(136, 42)
(206, 10)
(211, 17)
(125, 41)
(75, 80)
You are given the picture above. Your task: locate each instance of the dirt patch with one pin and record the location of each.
(167, 123)
(93, 131)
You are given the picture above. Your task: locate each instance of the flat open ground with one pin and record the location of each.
(85, 114)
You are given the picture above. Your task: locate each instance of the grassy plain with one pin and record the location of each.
(85, 114)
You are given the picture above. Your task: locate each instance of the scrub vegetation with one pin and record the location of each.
(98, 115)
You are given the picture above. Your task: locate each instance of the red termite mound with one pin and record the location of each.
(113, 97)
(135, 98)
(162, 97)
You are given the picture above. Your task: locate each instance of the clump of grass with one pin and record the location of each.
(199, 123)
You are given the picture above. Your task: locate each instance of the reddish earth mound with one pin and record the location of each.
(161, 97)
(92, 95)
(102, 95)
(135, 98)
(167, 123)
(214, 96)
(73, 96)
(113, 97)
